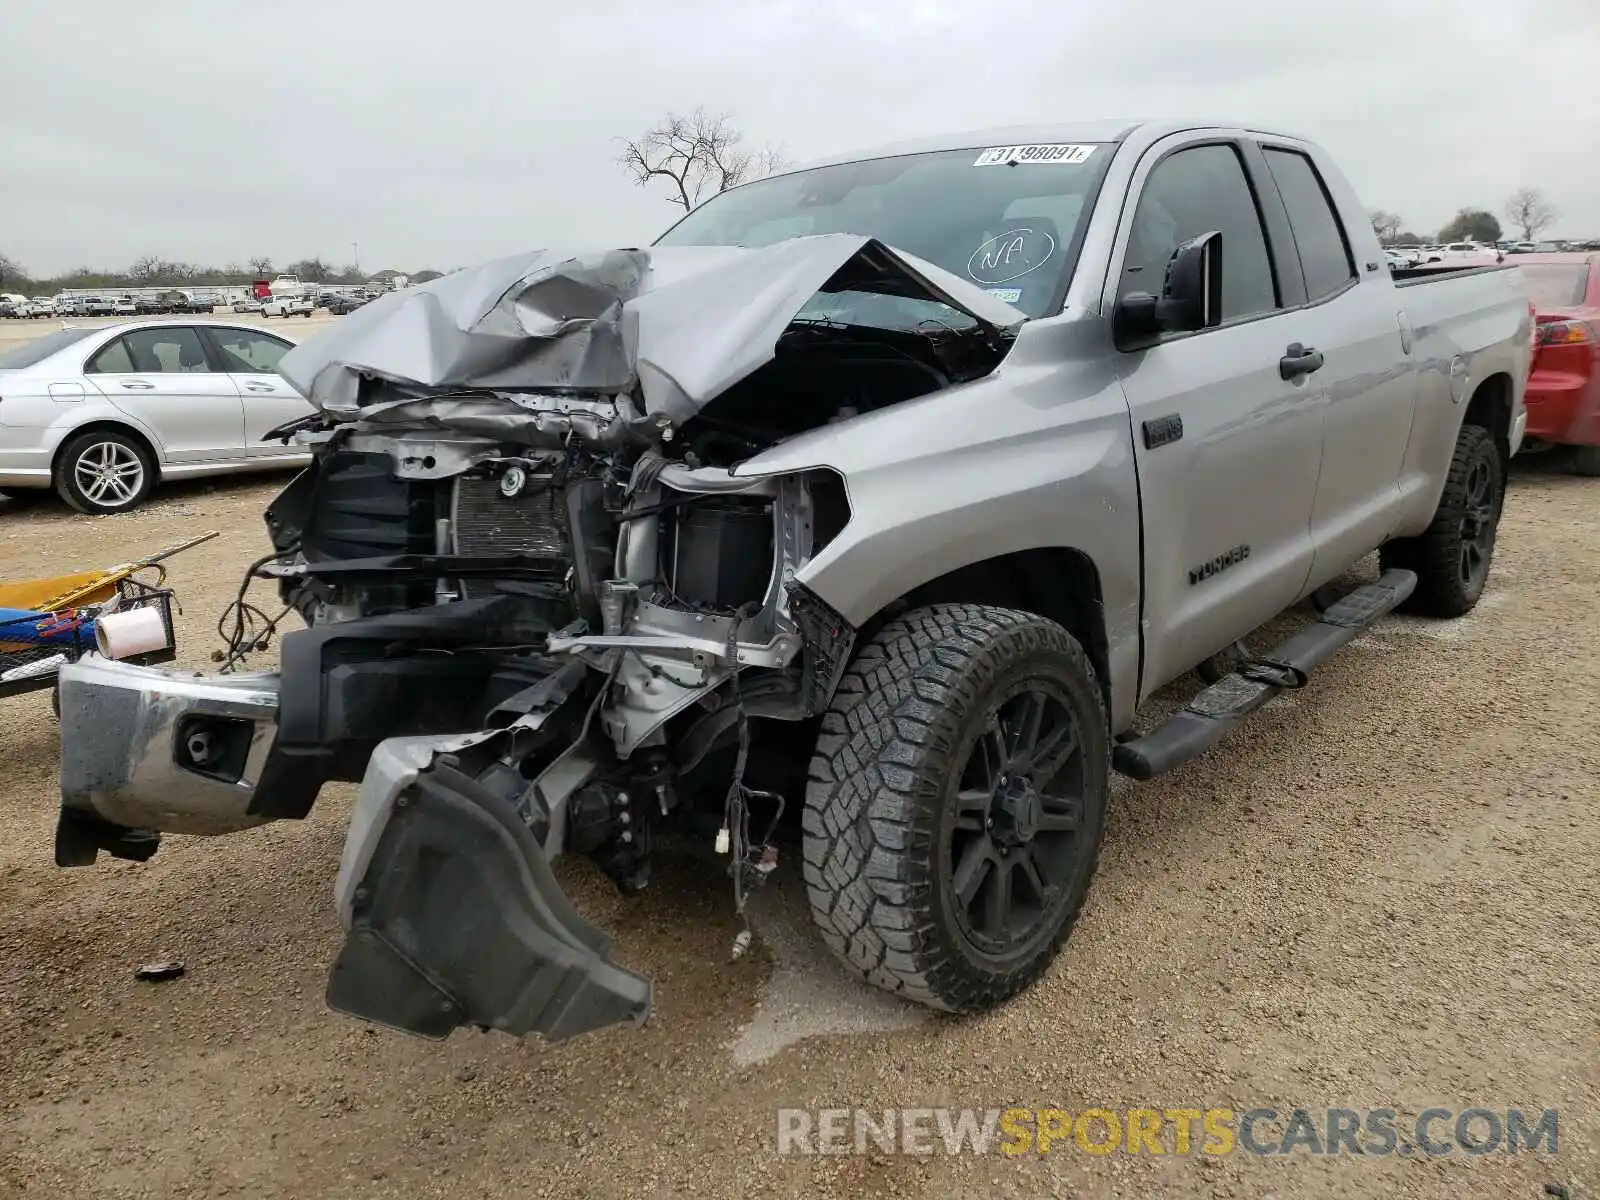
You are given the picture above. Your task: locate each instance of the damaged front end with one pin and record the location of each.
(547, 585)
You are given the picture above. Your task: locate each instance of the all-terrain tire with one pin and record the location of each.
(878, 818)
(1444, 587)
(1585, 460)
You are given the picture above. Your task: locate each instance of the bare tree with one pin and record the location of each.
(1386, 224)
(696, 154)
(9, 269)
(261, 266)
(1529, 209)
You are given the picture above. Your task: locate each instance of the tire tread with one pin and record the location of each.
(882, 755)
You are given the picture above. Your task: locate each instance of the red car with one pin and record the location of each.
(1564, 392)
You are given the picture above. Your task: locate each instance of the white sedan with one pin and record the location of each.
(103, 414)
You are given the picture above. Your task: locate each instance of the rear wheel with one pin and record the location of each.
(103, 471)
(955, 806)
(1586, 460)
(1453, 555)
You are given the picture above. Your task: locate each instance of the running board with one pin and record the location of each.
(1215, 712)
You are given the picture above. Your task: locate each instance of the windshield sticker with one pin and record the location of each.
(1009, 156)
(1011, 255)
(1009, 295)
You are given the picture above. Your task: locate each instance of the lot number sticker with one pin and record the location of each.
(1005, 156)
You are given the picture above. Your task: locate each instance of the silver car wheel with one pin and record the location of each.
(109, 474)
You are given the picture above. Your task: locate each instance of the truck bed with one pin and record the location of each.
(1409, 276)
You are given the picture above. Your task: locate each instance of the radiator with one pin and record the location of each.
(532, 523)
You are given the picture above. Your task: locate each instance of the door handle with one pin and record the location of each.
(1299, 360)
(139, 387)
(259, 387)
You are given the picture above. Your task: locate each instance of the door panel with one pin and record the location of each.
(162, 377)
(251, 357)
(1368, 379)
(1371, 394)
(1227, 505)
(1240, 482)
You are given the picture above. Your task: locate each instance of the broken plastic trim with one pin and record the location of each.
(456, 919)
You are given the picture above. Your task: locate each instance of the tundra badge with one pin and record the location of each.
(1217, 565)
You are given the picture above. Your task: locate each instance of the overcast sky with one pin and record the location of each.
(439, 134)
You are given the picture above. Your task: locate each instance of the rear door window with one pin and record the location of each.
(1324, 250)
(244, 351)
(1193, 192)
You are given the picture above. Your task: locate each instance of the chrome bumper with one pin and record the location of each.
(173, 751)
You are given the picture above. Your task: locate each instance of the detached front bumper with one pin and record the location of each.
(452, 914)
(147, 749)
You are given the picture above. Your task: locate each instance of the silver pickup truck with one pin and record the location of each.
(883, 492)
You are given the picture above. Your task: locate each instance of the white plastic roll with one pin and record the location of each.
(133, 631)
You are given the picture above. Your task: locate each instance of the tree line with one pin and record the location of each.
(1527, 210)
(154, 271)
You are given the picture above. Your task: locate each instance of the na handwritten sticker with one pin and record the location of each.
(1011, 255)
(1046, 153)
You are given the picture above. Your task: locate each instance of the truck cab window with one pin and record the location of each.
(1190, 193)
(1324, 251)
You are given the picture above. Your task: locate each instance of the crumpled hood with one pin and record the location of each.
(683, 323)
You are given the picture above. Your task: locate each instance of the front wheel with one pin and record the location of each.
(955, 805)
(104, 472)
(1452, 556)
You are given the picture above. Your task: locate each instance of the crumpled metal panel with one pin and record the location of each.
(683, 323)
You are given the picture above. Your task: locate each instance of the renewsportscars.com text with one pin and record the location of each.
(1373, 1132)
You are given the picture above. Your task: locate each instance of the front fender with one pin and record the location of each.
(1036, 457)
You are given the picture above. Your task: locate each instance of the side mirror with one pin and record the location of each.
(1191, 295)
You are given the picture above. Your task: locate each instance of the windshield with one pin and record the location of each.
(1555, 285)
(40, 349)
(1005, 217)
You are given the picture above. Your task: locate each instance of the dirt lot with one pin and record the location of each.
(1383, 894)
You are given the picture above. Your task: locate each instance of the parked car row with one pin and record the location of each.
(181, 301)
(109, 305)
(21, 307)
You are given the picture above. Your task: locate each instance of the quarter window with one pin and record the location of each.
(1324, 250)
(1193, 192)
(111, 360)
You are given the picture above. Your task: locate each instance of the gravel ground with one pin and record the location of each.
(1383, 893)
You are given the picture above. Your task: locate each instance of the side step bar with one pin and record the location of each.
(1215, 712)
